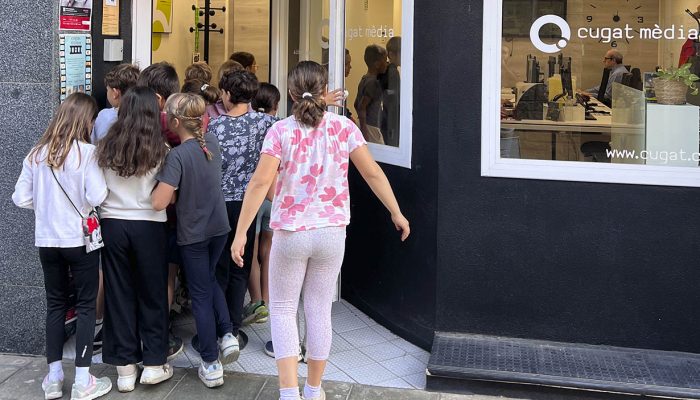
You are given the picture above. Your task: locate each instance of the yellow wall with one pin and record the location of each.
(176, 47)
(250, 21)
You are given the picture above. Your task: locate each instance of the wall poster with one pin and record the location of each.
(75, 15)
(110, 18)
(162, 16)
(75, 52)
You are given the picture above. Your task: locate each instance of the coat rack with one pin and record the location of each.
(206, 27)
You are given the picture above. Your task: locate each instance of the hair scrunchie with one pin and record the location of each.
(204, 87)
(307, 95)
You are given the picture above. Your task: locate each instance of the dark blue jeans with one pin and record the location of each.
(208, 303)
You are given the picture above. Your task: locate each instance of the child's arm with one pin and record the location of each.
(362, 114)
(374, 176)
(162, 196)
(95, 183)
(259, 185)
(24, 188)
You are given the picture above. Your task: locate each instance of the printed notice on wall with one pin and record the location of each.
(75, 53)
(75, 15)
(110, 18)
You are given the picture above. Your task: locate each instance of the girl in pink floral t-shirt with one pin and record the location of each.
(311, 151)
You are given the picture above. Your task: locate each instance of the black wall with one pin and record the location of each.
(99, 67)
(565, 261)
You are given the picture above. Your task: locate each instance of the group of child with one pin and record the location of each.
(214, 155)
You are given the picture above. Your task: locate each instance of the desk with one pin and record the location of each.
(603, 125)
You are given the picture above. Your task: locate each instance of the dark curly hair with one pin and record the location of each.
(242, 86)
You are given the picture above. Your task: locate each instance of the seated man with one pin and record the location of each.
(613, 62)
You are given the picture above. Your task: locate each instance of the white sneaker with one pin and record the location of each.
(52, 390)
(321, 396)
(157, 374)
(96, 387)
(213, 375)
(127, 377)
(229, 348)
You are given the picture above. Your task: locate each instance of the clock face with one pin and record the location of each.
(616, 14)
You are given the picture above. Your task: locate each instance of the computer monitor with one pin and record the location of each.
(566, 83)
(603, 85)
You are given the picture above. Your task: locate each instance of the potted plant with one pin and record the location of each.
(671, 85)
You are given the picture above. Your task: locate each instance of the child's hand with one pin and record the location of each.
(335, 98)
(237, 249)
(401, 224)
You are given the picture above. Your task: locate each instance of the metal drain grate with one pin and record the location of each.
(569, 365)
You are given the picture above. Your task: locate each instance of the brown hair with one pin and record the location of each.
(244, 58)
(122, 77)
(267, 98)
(199, 70)
(229, 66)
(188, 108)
(134, 144)
(307, 81)
(241, 86)
(209, 93)
(72, 122)
(160, 77)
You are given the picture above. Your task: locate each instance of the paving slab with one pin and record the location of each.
(373, 392)
(237, 386)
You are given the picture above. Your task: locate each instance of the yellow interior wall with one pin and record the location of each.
(176, 47)
(250, 31)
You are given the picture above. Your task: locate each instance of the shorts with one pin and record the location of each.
(263, 221)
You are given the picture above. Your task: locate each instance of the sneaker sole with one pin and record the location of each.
(255, 317)
(227, 357)
(211, 383)
(53, 396)
(97, 394)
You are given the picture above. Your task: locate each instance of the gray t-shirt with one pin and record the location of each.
(369, 86)
(200, 207)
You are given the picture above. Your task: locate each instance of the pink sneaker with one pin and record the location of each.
(96, 387)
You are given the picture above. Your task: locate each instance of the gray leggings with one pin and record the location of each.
(308, 260)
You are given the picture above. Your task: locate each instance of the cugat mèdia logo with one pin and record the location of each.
(550, 47)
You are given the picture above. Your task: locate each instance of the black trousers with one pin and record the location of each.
(232, 278)
(56, 263)
(135, 272)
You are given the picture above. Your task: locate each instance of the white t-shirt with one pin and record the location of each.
(130, 198)
(57, 223)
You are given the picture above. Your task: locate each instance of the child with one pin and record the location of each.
(118, 81)
(368, 103)
(216, 109)
(62, 183)
(200, 71)
(162, 78)
(266, 101)
(240, 133)
(311, 150)
(134, 258)
(194, 170)
(209, 93)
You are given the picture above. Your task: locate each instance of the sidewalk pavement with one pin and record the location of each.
(21, 376)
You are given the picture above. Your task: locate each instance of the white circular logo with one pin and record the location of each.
(550, 19)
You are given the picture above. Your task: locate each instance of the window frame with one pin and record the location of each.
(492, 165)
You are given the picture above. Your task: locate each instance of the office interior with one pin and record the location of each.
(588, 131)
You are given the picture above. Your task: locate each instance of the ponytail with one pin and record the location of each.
(189, 109)
(307, 82)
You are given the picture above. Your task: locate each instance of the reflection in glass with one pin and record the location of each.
(373, 69)
(588, 97)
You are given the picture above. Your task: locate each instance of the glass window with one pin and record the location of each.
(592, 91)
(378, 74)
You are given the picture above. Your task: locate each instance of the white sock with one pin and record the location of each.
(82, 376)
(289, 393)
(311, 392)
(55, 371)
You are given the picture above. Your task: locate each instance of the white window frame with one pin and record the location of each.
(141, 25)
(492, 165)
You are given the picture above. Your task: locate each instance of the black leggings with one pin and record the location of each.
(56, 262)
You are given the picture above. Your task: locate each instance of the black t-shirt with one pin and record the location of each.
(201, 210)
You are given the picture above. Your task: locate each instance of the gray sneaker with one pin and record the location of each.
(52, 390)
(321, 396)
(96, 387)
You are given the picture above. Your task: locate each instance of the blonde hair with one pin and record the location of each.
(72, 122)
(188, 108)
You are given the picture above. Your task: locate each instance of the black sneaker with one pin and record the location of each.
(175, 346)
(242, 341)
(270, 351)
